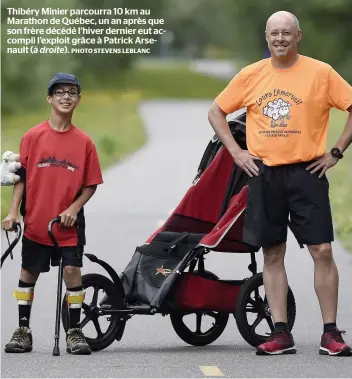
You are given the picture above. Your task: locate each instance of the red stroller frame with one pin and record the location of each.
(210, 217)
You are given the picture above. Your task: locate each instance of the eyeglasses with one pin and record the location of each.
(62, 93)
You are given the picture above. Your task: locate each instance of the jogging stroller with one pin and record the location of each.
(167, 274)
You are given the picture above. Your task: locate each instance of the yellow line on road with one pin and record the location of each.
(211, 371)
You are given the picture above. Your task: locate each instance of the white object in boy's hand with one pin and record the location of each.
(10, 163)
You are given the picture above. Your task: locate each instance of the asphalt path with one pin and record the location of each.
(136, 197)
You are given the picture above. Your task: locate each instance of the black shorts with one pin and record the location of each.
(286, 192)
(37, 257)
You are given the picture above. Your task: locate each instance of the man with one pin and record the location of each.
(60, 172)
(288, 98)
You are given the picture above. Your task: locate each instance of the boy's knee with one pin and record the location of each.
(29, 276)
(72, 271)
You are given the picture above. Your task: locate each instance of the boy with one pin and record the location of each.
(60, 172)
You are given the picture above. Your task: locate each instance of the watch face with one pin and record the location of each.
(335, 152)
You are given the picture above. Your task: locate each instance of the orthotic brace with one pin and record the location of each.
(75, 298)
(24, 295)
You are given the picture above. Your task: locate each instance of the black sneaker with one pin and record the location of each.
(76, 342)
(21, 341)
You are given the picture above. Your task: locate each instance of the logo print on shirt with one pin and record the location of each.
(53, 162)
(278, 111)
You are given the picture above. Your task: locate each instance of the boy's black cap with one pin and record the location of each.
(63, 78)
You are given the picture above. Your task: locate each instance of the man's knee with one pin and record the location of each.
(321, 253)
(274, 254)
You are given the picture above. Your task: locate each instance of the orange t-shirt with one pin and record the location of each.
(287, 109)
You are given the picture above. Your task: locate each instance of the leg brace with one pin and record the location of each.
(75, 298)
(24, 295)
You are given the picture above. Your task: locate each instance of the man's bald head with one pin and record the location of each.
(279, 16)
(283, 34)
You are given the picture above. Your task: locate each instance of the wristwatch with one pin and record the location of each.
(336, 153)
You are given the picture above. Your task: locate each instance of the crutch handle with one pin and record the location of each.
(16, 226)
(50, 230)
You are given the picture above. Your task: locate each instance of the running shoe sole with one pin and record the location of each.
(345, 352)
(28, 349)
(79, 351)
(290, 350)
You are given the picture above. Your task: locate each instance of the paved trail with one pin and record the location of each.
(137, 194)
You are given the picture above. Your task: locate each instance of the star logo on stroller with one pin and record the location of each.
(163, 271)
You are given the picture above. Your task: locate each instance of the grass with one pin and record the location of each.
(340, 177)
(152, 82)
(111, 116)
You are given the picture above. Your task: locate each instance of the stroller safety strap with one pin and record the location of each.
(174, 243)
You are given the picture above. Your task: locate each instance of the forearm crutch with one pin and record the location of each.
(56, 350)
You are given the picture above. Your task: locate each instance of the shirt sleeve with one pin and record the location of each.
(24, 150)
(92, 170)
(232, 97)
(339, 91)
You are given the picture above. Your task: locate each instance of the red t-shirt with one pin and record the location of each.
(58, 165)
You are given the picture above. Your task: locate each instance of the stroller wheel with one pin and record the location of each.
(100, 331)
(252, 311)
(199, 328)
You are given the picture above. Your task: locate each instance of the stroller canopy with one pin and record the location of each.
(215, 203)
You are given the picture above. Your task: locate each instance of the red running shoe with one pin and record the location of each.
(332, 343)
(277, 343)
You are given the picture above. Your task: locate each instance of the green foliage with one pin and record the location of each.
(340, 177)
(199, 28)
(107, 145)
(239, 27)
(162, 83)
(25, 76)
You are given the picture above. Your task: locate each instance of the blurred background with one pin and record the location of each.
(207, 42)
